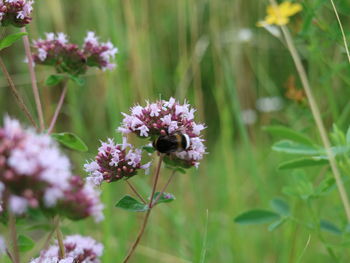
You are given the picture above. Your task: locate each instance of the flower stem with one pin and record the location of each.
(16, 94)
(59, 236)
(165, 187)
(156, 180)
(135, 191)
(33, 78)
(13, 236)
(316, 222)
(342, 30)
(317, 116)
(9, 255)
(58, 108)
(145, 220)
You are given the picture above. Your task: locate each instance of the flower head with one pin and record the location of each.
(78, 249)
(167, 117)
(15, 12)
(55, 50)
(114, 162)
(81, 200)
(279, 14)
(99, 54)
(35, 174)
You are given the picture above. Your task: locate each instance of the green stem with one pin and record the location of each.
(317, 117)
(316, 222)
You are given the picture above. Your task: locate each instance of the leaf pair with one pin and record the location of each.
(131, 204)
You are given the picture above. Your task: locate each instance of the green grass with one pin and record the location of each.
(176, 48)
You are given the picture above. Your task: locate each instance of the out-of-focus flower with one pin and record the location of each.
(279, 14)
(114, 162)
(244, 35)
(15, 12)
(249, 116)
(273, 30)
(34, 174)
(269, 104)
(78, 249)
(99, 54)
(81, 201)
(56, 51)
(167, 117)
(2, 246)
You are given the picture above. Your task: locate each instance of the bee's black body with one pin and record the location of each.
(171, 143)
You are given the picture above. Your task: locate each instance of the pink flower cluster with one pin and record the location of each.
(34, 174)
(15, 12)
(167, 117)
(56, 51)
(81, 201)
(78, 249)
(99, 54)
(114, 162)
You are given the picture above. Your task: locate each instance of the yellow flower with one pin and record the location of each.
(279, 14)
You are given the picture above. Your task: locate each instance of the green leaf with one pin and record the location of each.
(54, 80)
(301, 186)
(257, 216)
(25, 243)
(280, 206)
(302, 162)
(325, 186)
(80, 81)
(276, 224)
(348, 136)
(70, 140)
(149, 149)
(165, 198)
(330, 227)
(296, 148)
(131, 204)
(288, 133)
(10, 39)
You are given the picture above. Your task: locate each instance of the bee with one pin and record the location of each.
(172, 143)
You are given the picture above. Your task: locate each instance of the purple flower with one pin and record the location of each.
(15, 12)
(167, 117)
(114, 162)
(78, 249)
(99, 54)
(35, 174)
(56, 51)
(2, 246)
(81, 201)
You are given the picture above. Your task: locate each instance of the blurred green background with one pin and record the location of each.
(212, 54)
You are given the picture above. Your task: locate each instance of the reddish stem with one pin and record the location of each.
(58, 108)
(145, 220)
(33, 78)
(16, 94)
(13, 235)
(135, 191)
(164, 188)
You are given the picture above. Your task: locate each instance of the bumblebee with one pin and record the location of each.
(172, 143)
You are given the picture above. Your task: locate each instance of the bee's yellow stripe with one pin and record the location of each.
(178, 139)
